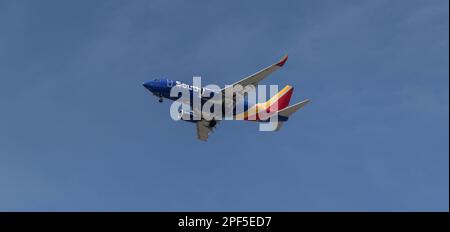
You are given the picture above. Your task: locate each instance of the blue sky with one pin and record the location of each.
(78, 132)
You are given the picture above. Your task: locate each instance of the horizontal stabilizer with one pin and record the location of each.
(288, 111)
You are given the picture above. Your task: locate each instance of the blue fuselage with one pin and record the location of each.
(163, 87)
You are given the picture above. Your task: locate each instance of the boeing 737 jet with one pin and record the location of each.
(278, 104)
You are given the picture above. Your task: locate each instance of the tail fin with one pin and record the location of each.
(279, 101)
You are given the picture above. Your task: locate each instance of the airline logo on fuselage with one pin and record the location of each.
(200, 90)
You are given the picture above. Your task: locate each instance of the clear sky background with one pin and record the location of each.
(78, 132)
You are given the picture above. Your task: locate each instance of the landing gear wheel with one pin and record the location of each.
(160, 100)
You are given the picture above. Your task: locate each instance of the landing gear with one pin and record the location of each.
(212, 124)
(160, 97)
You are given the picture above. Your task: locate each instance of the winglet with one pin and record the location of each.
(282, 61)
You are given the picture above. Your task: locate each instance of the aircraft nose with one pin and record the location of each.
(147, 84)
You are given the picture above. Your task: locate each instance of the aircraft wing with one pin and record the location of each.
(253, 80)
(260, 75)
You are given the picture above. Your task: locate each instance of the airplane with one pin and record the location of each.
(162, 88)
